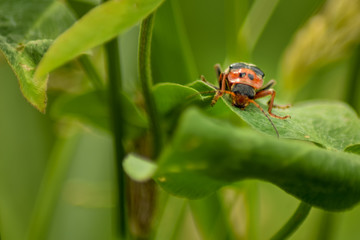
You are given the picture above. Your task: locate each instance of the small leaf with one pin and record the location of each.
(98, 26)
(207, 154)
(333, 125)
(139, 168)
(26, 31)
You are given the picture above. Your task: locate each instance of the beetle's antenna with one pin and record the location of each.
(207, 83)
(200, 94)
(205, 92)
(267, 116)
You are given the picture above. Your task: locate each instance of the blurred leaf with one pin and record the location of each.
(171, 46)
(353, 149)
(207, 154)
(212, 224)
(138, 168)
(327, 37)
(26, 31)
(334, 125)
(98, 26)
(81, 7)
(92, 108)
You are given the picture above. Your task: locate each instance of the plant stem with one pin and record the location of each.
(114, 75)
(328, 226)
(146, 81)
(253, 212)
(263, 8)
(294, 222)
(191, 68)
(353, 85)
(90, 70)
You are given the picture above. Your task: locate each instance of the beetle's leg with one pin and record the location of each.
(217, 70)
(221, 91)
(268, 85)
(278, 106)
(271, 92)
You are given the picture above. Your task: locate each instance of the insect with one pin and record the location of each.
(244, 83)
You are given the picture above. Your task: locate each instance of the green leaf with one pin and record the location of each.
(138, 168)
(353, 149)
(99, 25)
(333, 125)
(26, 31)
(170, 97)
(207, 154)
(92, 108)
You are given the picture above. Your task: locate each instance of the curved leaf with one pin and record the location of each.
(26, 31)
(333, 125)
(98, 26)
(207, 154)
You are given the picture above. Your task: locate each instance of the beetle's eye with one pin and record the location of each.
(242, 74)
(251, 76)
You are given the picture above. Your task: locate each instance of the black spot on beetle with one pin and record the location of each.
(258, 71)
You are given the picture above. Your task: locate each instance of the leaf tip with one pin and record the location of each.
(138, 168)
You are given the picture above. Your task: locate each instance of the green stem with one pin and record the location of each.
(114, 75)
(328, 226)
(353, 82)
(191, 68)
(90, 70)
(146, 81)
(254, 25)
(253, 212)
(173, 212)
(294, 222)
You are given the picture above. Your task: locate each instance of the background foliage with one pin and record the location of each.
(56, 170)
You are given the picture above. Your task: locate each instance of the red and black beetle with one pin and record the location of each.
(244, 83)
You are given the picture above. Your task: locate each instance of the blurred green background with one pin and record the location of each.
(310, 47)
